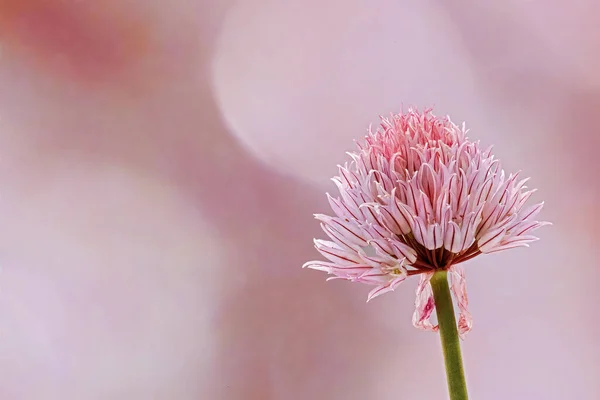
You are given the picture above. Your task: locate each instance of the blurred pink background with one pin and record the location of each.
(160, 163)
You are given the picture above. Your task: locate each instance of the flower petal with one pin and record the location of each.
(469, 227)
(437, 235)
(373, 277)
(532, 211)
(403, 251)
(491, 239)
(397, 226)
(339, 239)
(388, 287)
(528, 226)
(508, 246)
(319, 265)
(382, 246)
(349, 230)
(424, 304)
(453, 238)
(401, 214)
(335, 254)
(358, 270)
(511, 242)
(456, 276)
(340, 208)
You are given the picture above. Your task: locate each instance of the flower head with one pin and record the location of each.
(418, 197)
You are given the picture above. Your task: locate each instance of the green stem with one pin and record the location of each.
(457, 385)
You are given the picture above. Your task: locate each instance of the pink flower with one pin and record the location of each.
(417, 197)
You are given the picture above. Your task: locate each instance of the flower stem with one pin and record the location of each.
(457, 385)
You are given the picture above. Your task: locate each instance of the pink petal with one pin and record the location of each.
(319, 265)
(507, 247)
(510, 206)
(458, 191)
(437, 237)
(335, 254)
(373, 277)
(401, 214)
(394, 225)
(348, 229)
(382, 246)
(348, 178)
(339, 239)
(532, 211)
(382, 179)
(403, 251)
(456, 276)
(518, 239)
(428, 180)
(483, 193)
(413, 198)
(377, 232)
(420, 232)
(491, 239)
(368, 213)
(340, 209)
(353, 271)
(333, 278)
(527, 226)
(388, 287)
(489, 217)
(347, 200)
(424, 305)
(453, 238)
(523, 197)
(377, 260)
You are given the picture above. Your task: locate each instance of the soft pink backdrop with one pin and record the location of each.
(160, 163)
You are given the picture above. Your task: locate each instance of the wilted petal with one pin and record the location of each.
(456, 276)
(424, 304)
